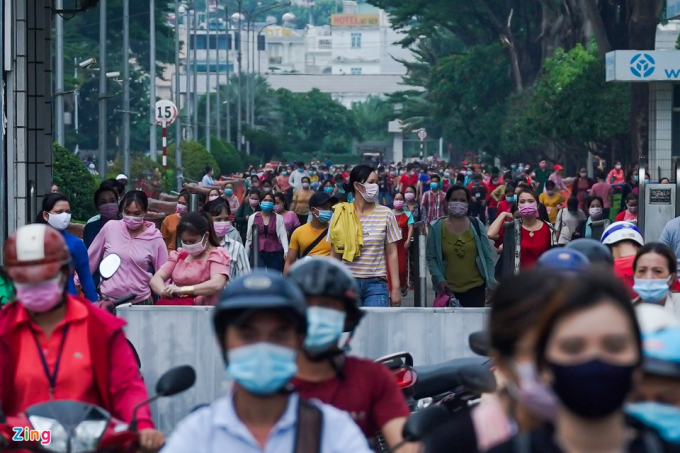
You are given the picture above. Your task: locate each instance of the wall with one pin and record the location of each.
(170, 336)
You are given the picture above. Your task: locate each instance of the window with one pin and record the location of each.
(356, 70)
(325, 44)
(356, 40)
(675, 122)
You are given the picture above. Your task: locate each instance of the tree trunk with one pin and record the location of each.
(593, 14)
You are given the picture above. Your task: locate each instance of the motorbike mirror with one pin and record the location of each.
(479, 343)
(109, 266)
(477, 377)
(422, 422)
(176, 381)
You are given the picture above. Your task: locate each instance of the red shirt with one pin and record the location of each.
(504, 206)
(369, 393)
(623, 268)
(532, 246)
(407, 180)
(490, 201)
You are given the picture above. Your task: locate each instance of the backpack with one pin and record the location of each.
(309, 428)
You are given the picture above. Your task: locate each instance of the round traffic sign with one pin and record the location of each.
(422, 134)
(166, 112)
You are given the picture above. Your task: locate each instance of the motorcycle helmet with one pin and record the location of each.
(563, 259)
(662, 352)
(259, 291)
(622, 231)
(328, 277)
(35, 253)
(596, 252)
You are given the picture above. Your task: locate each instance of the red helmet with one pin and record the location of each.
(35, 253)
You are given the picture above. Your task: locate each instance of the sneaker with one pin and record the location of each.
(404, 292)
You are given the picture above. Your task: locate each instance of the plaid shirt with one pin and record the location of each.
(434, 202)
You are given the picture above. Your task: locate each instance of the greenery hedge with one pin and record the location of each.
(74, 180)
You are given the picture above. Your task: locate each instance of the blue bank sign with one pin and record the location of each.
(643, 66)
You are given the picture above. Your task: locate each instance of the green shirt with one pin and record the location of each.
(541, 177)
(6, 291)
(460, 253)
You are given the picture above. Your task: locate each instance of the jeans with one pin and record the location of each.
(374, 292)
(474, 297)
(272, 261)
(479, 211)
(493, 213)
(387, 197)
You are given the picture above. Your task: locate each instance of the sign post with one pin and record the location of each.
(422, 135)
(166, 114)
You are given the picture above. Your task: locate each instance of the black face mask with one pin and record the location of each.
(593, 389)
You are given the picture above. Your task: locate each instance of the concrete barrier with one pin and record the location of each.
(169, 336)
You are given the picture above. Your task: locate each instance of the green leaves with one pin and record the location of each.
(74, 180)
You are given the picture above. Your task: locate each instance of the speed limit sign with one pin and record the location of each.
(422, 134)
(166, 112)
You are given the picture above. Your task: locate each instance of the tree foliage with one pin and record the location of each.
(74, 180)
(194, 160)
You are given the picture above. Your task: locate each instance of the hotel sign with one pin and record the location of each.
(355, 20)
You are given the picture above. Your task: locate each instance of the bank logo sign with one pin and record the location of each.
(642, 65)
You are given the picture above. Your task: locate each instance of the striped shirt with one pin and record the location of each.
(380, 228)
(435, 205)
(238, 259)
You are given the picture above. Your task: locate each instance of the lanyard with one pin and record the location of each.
(51, 377)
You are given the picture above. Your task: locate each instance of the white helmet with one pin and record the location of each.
(622, 231)
(653, 318)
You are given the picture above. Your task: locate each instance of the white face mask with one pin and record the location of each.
(59, 221)
(197, 248)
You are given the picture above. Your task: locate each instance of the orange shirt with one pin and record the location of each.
(75, 377)
(169, 231)
(623, 268)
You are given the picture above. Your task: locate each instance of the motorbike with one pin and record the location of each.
(66, 426)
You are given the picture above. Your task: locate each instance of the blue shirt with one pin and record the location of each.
(217, 429)
(207, 181)
(81, 263)
(425, 181)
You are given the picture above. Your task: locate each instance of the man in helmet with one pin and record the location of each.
(563, 259)
(624, 240)
(57, 346)
(365, 389)
(260, 323)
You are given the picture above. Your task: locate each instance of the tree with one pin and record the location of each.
(74, 180)
(372, 117)
(194, 160)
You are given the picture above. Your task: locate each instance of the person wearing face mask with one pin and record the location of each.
(655, 273)
(595, 213)
(198, 270)
(310, 239)
(325, 371)
(214, 194)
(541, 176)
(593, 379)
(267, 186)
(207, 180)
(459, 255)
(56, 346)
(56, 212)
(581, 187)
(106, 202)
(556, 177)
(605, 191)
(301, 198)
(295, 179)
(624, 240)
(569, 222)
(631, 212)
(231, 198)
(260, 323)
(290, 219)
(229, 238)
(117, 186)
(410, 178)
(434, 201)
(552, 200)
(250, 205)
(626, 189)
(54, 188)
(169, 225)
(532, 235)
(283, 184)
(424, 183)
(478, 190)
(405, 222)
(616, 176)
(273, 238)
(139, 245)
(364, 235)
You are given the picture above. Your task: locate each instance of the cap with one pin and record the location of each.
(558, 167)
(121, 176)
(321, 198)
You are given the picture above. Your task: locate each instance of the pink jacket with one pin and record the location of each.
(141, 258)
(115, 369)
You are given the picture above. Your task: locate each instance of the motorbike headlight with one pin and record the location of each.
(424, 403)
(86, 436)
(58, 441)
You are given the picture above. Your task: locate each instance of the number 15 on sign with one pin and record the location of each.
(166, 114)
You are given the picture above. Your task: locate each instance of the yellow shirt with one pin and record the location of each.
(551, 204)
(303, 237)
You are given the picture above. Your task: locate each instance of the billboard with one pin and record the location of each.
(355, 20)
(643, 65)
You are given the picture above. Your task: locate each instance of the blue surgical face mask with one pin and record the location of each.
(434, 185)
(312, 172)
(469, 173)
(267, 206)
(315, 185)
(663, 418)
(513, 166)
(328, 190)
(325, 216)
(447, 174)
(652, 289)
(324, 327)
(301, 170)
(636, 178)
(511, 199)
(228, 191)
(262, 368)
(284, 173)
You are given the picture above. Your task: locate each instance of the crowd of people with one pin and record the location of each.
(584, 331)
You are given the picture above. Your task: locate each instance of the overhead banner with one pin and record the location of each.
(643, 65)
(355, 20)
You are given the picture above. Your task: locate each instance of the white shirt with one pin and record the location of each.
(217, 429)
(238, 258)
(295, 179)
(280, 231)
(207, 181)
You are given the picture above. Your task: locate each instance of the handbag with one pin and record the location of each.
(446, 299)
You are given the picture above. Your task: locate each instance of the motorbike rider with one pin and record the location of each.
(363, 388)
(56, 346)
(260, 323)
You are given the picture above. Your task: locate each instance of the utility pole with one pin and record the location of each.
(59, 101)
(178, 127)
(207, 76)
(239, 56)
(229, 45)
(195, 81)
(248, 78)
(103, 116)
(126, 88)
(152, 66)
(218, 103)
(188, 98)
(76, 97)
